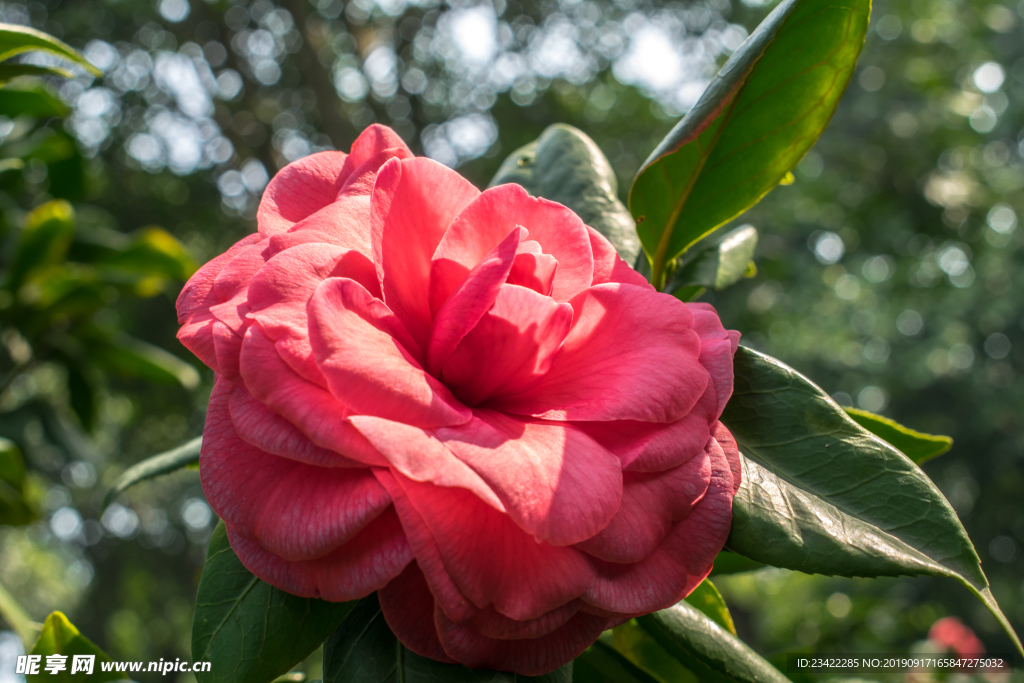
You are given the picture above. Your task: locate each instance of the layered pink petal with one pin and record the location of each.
(682, 560)
(414, 201)
(651, 506)
(717, 348)
(227, 344)
(341, 223)
(313, 410)
(366, 563)
(370, 361)
(494, 562)
(300, 189)
(510, 348)
(196, 299)
(556, 483)
(408, 607)
(375, 141)
(536, 271)
(732, 453)
(486, 221)
(630, 355)
(471, 301)
(291, 509)
(608, 267)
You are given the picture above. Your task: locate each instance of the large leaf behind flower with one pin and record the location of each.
(566, 166)
(364, 649)
(250, 631)
(823, 495)
(757, 118)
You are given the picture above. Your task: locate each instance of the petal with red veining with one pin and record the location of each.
(557, 484)
(608, 267)
(717, 348)
(408, 607)
(300, 189)
(629, 355)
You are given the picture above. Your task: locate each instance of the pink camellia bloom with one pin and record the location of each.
(463, 400)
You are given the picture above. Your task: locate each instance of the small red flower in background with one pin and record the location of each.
(465, 401)
(952, 634)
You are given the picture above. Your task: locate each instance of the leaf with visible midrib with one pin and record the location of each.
(757, 118)
(364, 649)
(822, 495)
(250, 631)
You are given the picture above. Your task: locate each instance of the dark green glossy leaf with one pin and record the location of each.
(724, 263)
(708, 600)
(44, 240)
(566, 166)
(250, 631)
(757, 118)
(15, 508)
(137, 358)
(11, 71)
(14, 40)
(917, 446)
(30, 99)
(822, 495)
(60, 637)
(364, 649)
(164, 463)
(728, 562)
(707, 649)
(637, 645)
(602, 663)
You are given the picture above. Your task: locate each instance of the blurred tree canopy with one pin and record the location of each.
(886, 271)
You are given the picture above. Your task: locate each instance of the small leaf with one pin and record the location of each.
(708, 600)
(44, 240)
(33, 99)
(566, 166)
(754, 122)
(170, 461)
(59, 637)
(917, 446)
(364, 649)
(11, 71)
(822, 495)
(602, 663)
(136, 358)
(707, 649)
(722, 264)
(250, 631)
(14, 40)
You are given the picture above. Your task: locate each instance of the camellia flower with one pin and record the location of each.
(463, 400)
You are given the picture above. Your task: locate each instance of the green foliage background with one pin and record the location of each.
(886, 271)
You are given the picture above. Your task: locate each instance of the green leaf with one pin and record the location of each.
(136, 358)
(11, 71)
(149, 261)
(15, 508)
(31, 99)
(250, 631)
(15, 40)
(44, 240)
(723, 263)
(823, 495)
(728, 562)
(602, 663)
(917, 446)
(566, 166)
(170, 461)
(637, 645)
(16, 617)
(708, 600)
(364, 649)
(59, 637)
(701, 645)
(757, 118)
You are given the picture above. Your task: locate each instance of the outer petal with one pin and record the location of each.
(471, 301)
(196, 299)
(414, 201)
(408, 607)
(313, 410)
(490, 217)
(556, 483)
(374, 141)
(343, 223)
(682, 560)
(510, 348)
(717, 348)
(493, 561)
(293, 510)
(630, 355)
(300, 189)
(651, 505)
(374, 557)
(371, 362)
(608, 267)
